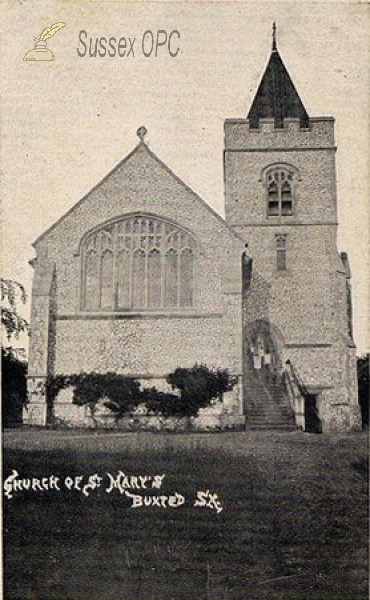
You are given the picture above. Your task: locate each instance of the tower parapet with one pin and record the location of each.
(239, 135)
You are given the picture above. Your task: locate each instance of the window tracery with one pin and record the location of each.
(280, 192)
(139, 262)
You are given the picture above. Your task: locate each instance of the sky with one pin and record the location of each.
(66, 123)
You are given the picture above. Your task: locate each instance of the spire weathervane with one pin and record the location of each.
(274, 46)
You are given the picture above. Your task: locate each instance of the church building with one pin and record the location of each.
(142, 276)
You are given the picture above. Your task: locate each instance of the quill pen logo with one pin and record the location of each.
(40, 51)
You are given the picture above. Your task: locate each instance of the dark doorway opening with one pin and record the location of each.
(311, 414)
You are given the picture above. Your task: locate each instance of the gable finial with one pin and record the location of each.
(274, 46)
(141, 133)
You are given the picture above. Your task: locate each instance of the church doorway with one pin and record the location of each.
(262, 353)
(311, 414)
(266, 402)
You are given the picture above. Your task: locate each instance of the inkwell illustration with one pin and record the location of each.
(40, 51)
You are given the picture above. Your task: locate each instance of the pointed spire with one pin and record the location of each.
(274, 45)
(276, 97)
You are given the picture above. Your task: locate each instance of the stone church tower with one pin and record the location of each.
(280, 193)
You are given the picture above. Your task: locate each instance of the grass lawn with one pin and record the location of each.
(293, 525)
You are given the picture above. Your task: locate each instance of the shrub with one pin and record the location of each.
(162, 403)
(54, 384)
(13, 369)
(122, 393)
(199, 386)
(13, 387)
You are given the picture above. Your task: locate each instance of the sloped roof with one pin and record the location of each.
(276, 97)
(141, 147)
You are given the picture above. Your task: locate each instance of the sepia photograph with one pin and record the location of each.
(185, 295)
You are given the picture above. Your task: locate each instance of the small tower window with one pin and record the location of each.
(279, 193)
(281, 253)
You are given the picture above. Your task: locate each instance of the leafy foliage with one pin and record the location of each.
(13, 387)
(122, 393)
(54, 384)
(14, 370)
(12, 292)
(162, 403)
(199, 386)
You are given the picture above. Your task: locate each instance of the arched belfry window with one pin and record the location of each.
(140, 262)
(280, 182)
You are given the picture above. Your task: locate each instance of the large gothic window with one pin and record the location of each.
(138, 263)
(280, 192)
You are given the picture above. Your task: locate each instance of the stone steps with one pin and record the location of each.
(268, 408)
(271, 427)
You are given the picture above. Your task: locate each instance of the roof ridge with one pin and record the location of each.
(142, 145)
